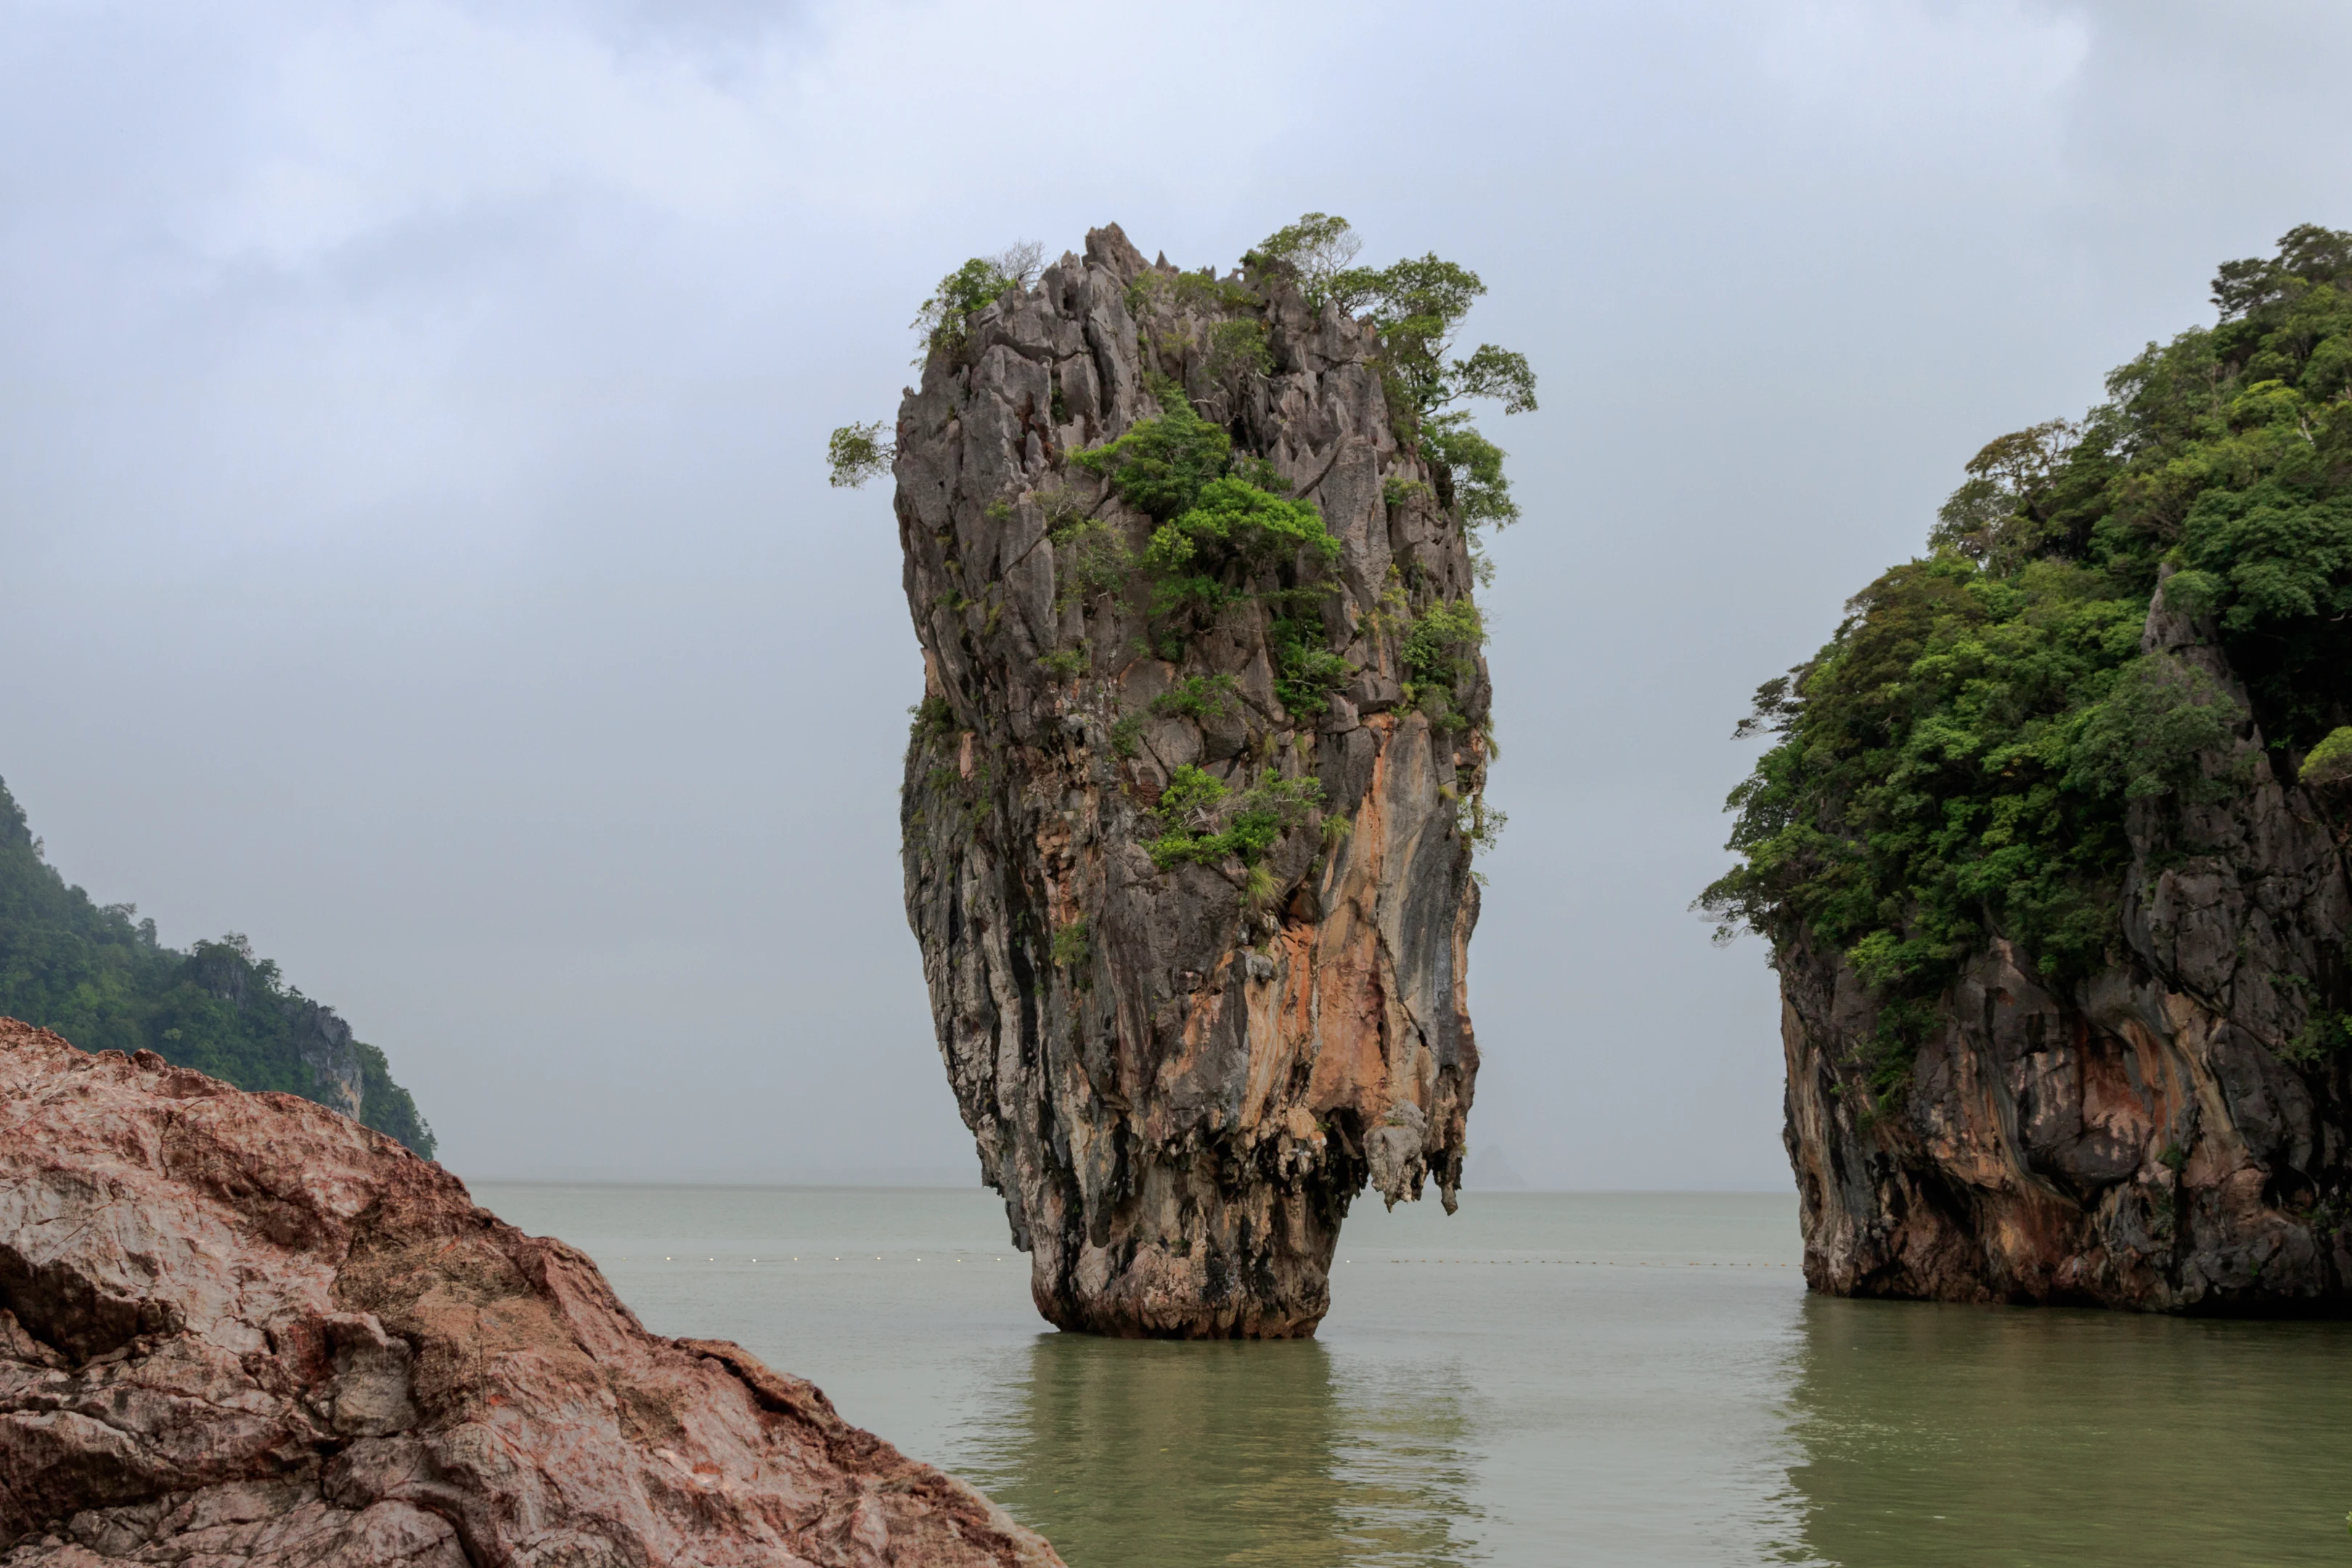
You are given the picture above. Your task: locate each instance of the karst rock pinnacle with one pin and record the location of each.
(1181, 1067)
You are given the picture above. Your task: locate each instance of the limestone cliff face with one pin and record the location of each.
(1178, 1078)
(2146, 1139)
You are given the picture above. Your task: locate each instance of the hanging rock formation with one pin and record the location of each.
(241, 1331)
(2135, 1140)
(1180, 1071)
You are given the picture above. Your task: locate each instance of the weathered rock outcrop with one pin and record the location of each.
(2145, 1138)
(1178, 1075)
(241, 1331)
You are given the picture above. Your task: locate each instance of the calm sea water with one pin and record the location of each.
(1542, 1379)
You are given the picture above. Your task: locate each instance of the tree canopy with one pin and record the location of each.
(105, 983)
(1955, 763)
(1419, 305)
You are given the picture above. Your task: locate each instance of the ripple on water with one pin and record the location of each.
(1628, 1379)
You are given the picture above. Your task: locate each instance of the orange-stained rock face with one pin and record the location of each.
(2148, 1138)
(242, 1330)
(1179, 1105)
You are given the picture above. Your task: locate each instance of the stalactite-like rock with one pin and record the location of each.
(1179, 1072)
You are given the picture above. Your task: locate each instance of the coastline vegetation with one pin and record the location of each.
(1955, 764)
(99, 976)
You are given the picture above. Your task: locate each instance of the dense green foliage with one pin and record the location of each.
(2329, 766)
(856, 452)
(1419, 305)
(1305, 670)
(1203, 821)
(1222, 525)
(1160, 465)
(1198, 696)
(944, 322)
(1232, 524)
(1439, 654)
(106, 983)
(1956, 764)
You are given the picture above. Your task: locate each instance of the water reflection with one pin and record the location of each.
(1145, 1455)
(1989, 1436)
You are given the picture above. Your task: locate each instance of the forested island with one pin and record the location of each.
(98, 975)
(2049, 848)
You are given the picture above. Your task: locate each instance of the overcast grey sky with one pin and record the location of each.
(418, 555)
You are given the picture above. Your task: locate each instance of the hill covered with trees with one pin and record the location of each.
(98, 975)
(2049, 848)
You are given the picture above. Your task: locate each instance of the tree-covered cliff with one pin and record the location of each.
(2095, 738)
(105, 983)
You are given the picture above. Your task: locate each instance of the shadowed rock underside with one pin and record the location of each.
(1176, 1080)
(2142, 1140)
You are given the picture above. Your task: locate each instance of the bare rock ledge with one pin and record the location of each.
(239, 1330)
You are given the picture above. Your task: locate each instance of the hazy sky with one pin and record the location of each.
(418, 556)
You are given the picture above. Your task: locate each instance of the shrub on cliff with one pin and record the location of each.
(1955, 763)
(1204, 821)
(1160, 465)
(1418, 305)
(856, 452)
(2329, 766)
(1222, 523)
(944, 321)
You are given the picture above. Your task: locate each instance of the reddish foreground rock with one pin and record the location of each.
(241, 1330)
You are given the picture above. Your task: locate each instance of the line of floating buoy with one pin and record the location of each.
(1487, 1262)
(1579, 1262)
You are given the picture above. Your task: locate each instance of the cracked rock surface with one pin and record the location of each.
(1177, 1080)
(240, 1331)
(2143, 1140)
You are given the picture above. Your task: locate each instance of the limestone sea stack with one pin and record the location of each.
(1191, 800)
(241, 1331)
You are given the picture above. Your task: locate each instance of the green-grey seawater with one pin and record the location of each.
(1544, 1378)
